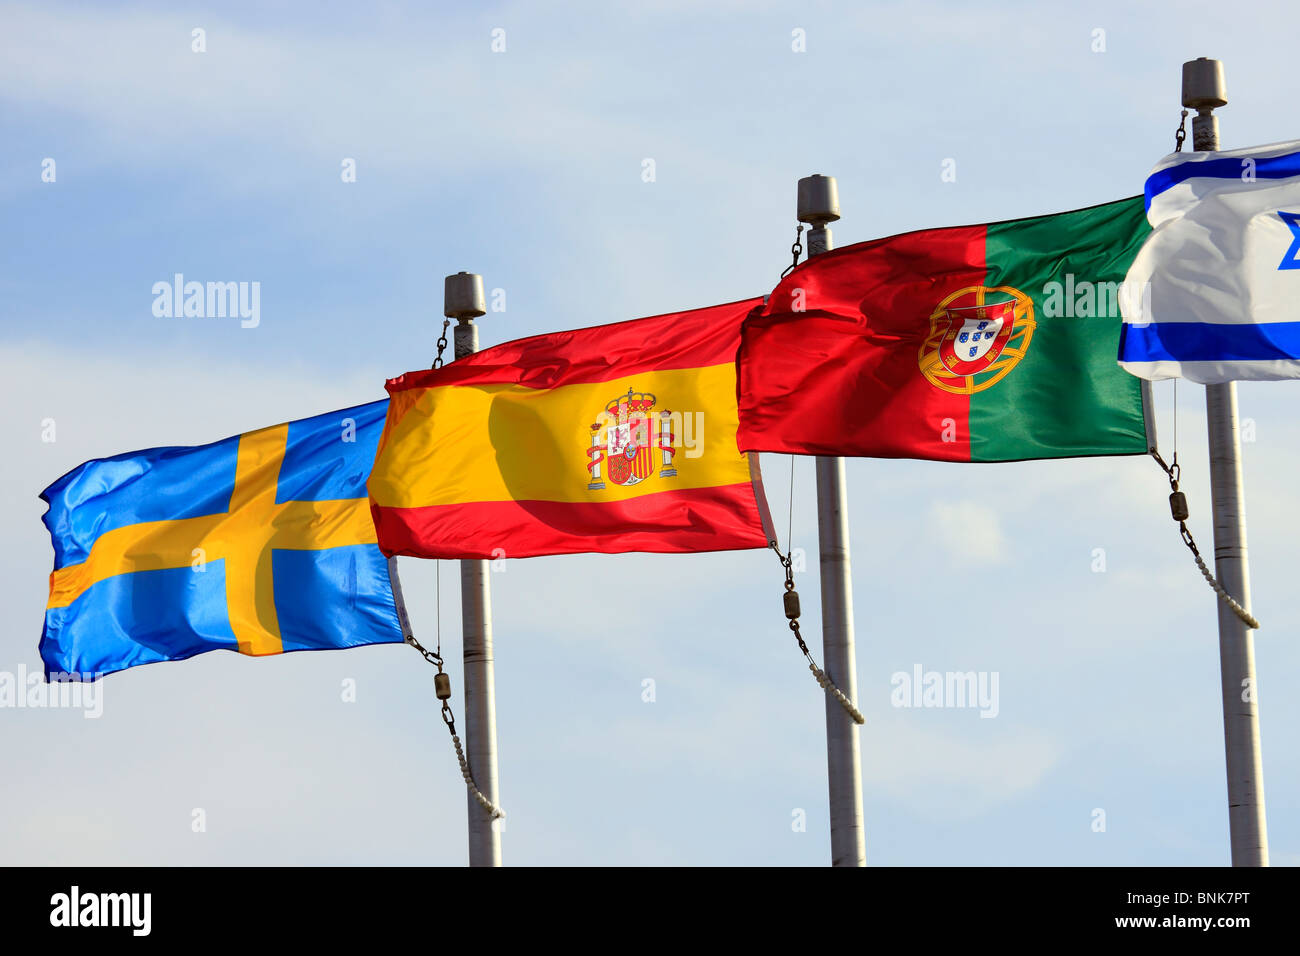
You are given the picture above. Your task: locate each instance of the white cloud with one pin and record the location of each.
(970, 531)
(946, 776)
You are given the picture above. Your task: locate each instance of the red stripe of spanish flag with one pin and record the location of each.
(608, 439)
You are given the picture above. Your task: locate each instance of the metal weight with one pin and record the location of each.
(792, 604)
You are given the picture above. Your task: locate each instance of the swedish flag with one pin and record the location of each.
(261, 543)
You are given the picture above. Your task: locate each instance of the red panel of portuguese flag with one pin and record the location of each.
(971, 343)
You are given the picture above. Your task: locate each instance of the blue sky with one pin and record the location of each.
(525, 166)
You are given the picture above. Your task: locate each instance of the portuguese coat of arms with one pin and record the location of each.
(977, 335)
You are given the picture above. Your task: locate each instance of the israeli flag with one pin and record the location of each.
(1214, 293)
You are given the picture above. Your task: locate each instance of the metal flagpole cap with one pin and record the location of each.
(819, 200)
(1203, 84)
(462, 296)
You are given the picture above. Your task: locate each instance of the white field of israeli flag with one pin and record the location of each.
(1214, 293)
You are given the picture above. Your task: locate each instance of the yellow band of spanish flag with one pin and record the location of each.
(615, 438)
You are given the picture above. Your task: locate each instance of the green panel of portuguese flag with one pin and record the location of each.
(1067, 395)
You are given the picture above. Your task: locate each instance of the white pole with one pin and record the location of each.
(463, 301)
(819, 205)
(1203, 90)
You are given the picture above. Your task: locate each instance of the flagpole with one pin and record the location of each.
(818, 206)
(463, 301)
(1204, 90)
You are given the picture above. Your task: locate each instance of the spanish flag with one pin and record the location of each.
(608, 439)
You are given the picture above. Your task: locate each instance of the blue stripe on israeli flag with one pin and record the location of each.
(1209, 342)
(1265, 167)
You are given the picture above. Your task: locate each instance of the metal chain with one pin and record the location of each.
(449, 719)
(442, 344)
(433, 658)
(1178, 506)
(1181, 133)
(796, 251)
(792, 613)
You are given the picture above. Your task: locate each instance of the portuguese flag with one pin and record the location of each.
(972, 343)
